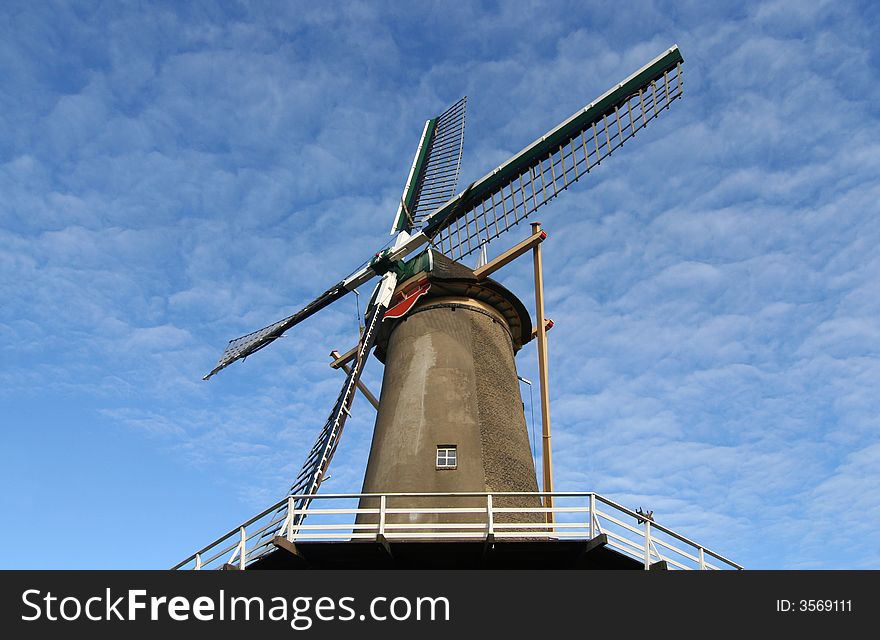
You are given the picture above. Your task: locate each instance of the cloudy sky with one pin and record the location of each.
(175, 176)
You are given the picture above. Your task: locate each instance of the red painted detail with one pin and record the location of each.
(407, 299)
(543, 235)
(548, 325)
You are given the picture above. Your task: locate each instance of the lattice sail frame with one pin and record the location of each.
(314, 469)
(315, 466)
(252, 342)
(530, 179)
(433, 176)
(442, 165)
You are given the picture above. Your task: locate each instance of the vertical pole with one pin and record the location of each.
(547, 454)
(243, 552)
(702, 560)
(592, 515)
(647, 544)
(289, 520)
(490, 521)
(381, 533)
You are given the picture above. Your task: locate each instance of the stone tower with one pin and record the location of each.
(450, 416)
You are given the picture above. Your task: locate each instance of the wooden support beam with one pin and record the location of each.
(547, 326)
(281, 542)
(511, 254)
(345, 358)
(591, 545)
(547, 452)
(360, 385)
(382, 541)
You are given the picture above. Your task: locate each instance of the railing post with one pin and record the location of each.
(242, 549)
(490, 521)
(198, 562)
(647, 544)
(592, 515)
(381, 533)
(702, 560)
(288, 522)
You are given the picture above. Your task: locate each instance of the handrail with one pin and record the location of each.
(641, 536)
(670, 532)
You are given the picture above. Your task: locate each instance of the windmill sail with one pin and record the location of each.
(434, 172)
(314, 469)
(252, 342)
(538, 173)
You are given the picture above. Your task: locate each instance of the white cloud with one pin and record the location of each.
(173, 180)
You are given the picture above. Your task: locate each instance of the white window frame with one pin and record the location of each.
(446, 449)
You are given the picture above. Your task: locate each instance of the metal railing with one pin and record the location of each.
(575, 516)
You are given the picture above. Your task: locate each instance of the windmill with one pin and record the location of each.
(420, 289)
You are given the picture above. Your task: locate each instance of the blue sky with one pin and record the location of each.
(175, 176)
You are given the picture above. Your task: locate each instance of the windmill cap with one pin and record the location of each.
(449, 278)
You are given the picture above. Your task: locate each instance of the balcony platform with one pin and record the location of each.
(447, 554)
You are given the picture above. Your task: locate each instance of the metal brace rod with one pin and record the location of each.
(336, 364)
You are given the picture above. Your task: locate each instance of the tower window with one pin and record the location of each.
(447, 456)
